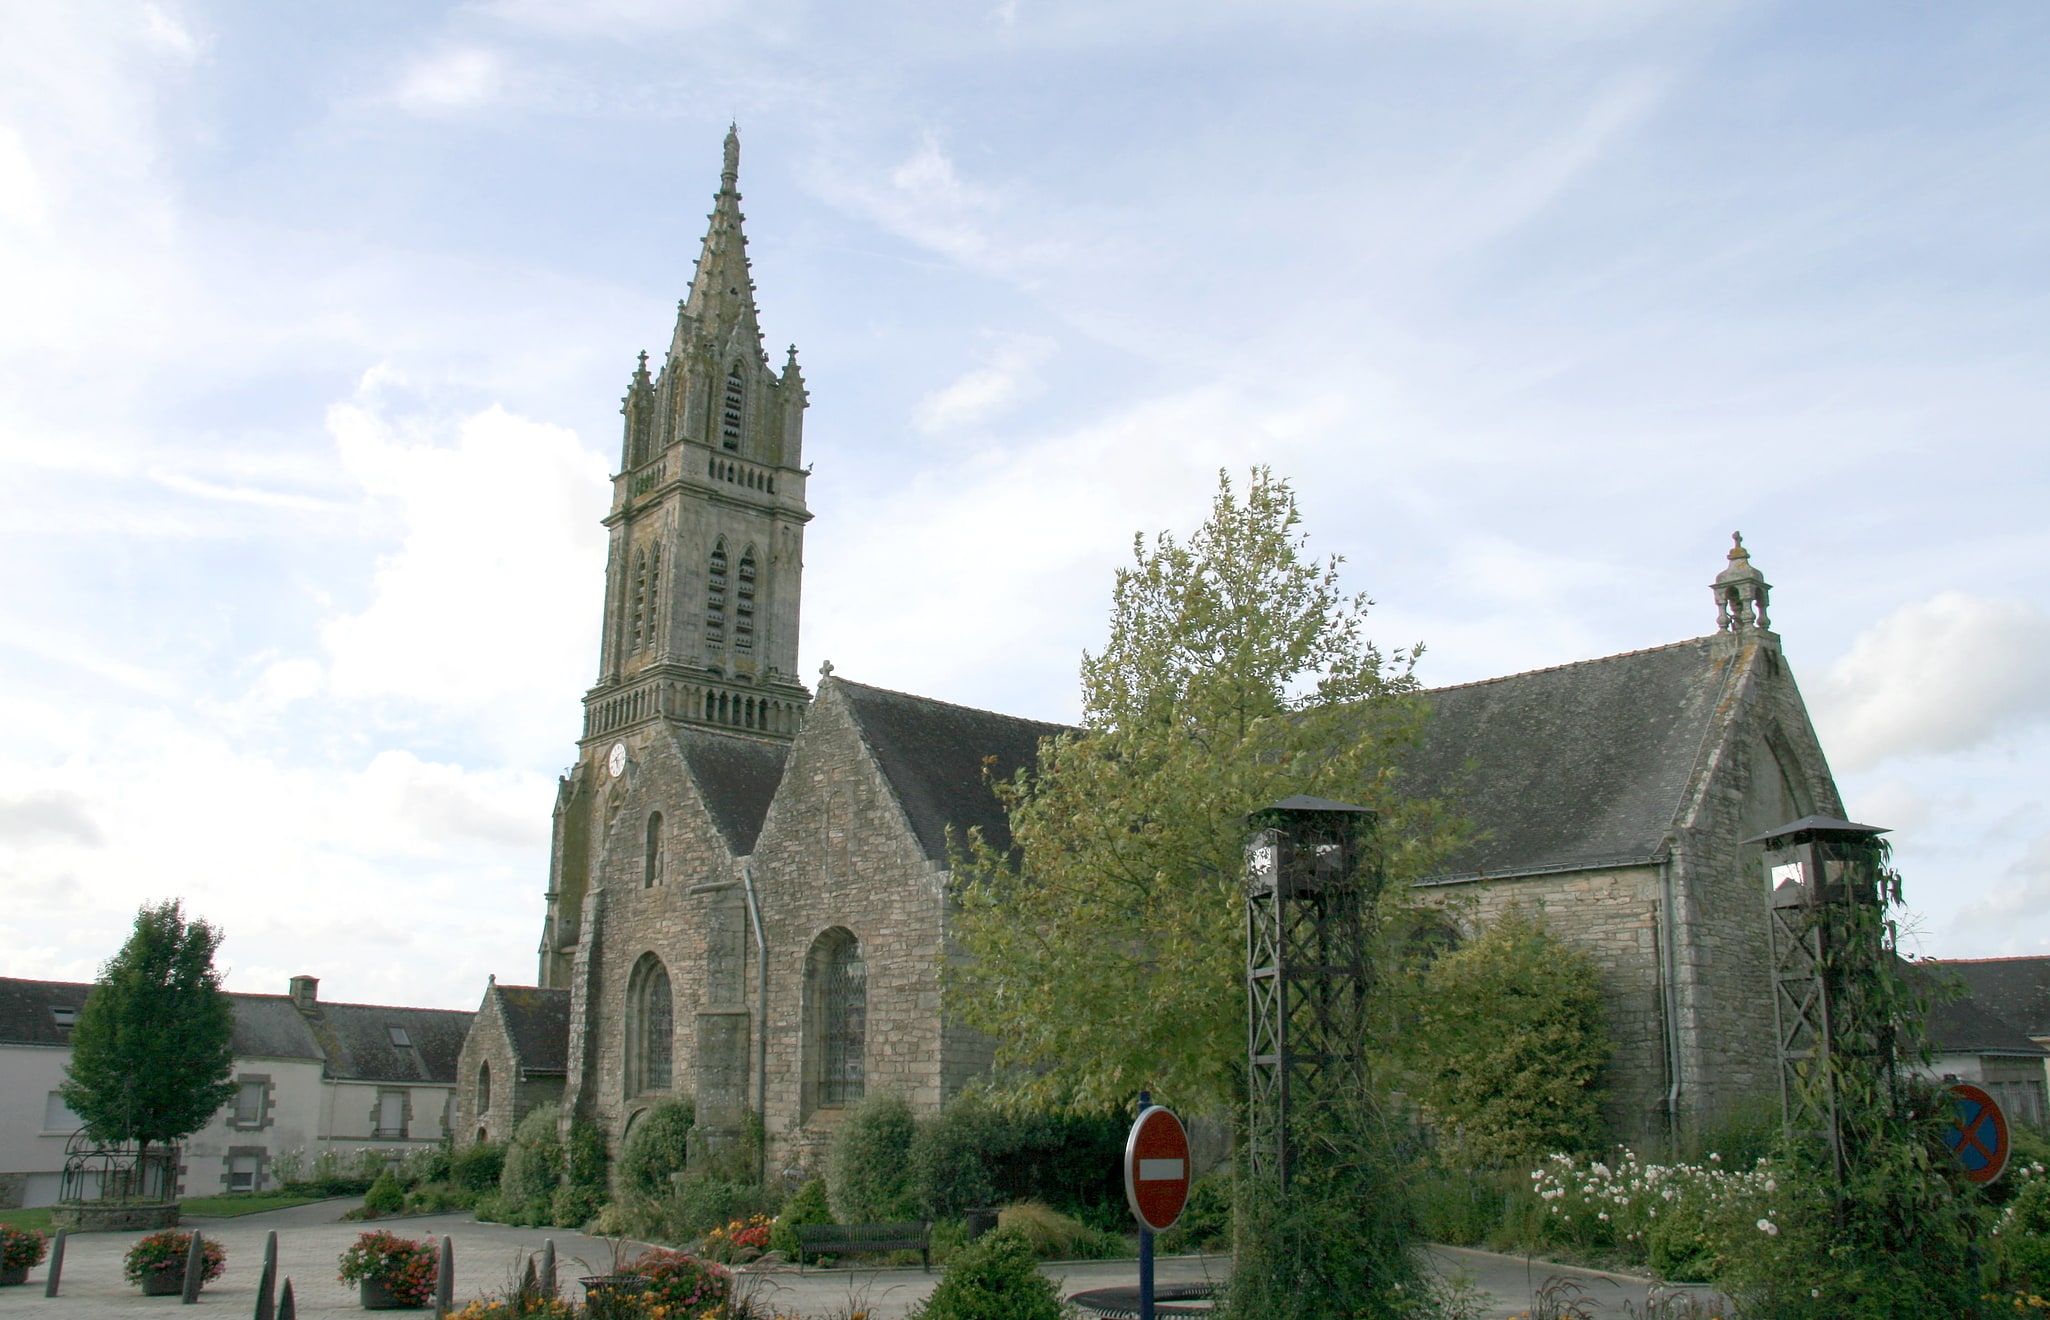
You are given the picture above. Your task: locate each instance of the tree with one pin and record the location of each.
(1106, 951)
(1512, 1043)
(153, 1056)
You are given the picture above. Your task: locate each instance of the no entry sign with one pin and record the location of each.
(1157, 1168)
(1977, 1134)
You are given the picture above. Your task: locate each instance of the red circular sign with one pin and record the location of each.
(1977, 1134)
(1157, 1169)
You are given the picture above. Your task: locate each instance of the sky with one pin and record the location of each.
(314, 322)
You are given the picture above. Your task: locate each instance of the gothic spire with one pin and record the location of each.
(721, 305)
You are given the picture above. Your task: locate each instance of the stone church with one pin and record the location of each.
(747, 901)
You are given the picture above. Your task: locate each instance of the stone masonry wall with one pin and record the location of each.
(486, 1045)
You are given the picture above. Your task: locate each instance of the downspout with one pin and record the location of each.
(754, 917)
(1668, 996)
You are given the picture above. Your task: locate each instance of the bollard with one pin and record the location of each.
(286, 1310)
(445, 1279)
(56, 1263)
(195, 1266)
(266, 1302)
(548, 1284)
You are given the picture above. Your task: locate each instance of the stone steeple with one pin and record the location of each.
(1741, 593)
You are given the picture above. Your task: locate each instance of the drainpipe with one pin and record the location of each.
(1669, 994)
(754, 917)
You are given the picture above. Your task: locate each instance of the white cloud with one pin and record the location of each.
(1941, 675)
(924, 199)
(977, 395)
(2019, 901)
(170, 34)
(452, 80)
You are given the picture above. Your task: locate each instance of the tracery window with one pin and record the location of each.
(840, 1017)
(744, 605)
(651, 1027)
(651, 860)
(715, 600)
(736, 402)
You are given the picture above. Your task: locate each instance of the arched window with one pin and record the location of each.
(483, 1089)
(650, 1027)
(651, 860)
(715, 600)
(730, 415)
(839, 986)
(744, 605)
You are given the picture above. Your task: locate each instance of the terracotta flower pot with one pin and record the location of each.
(13, 1276)
(165, 1282)
(377, 1295)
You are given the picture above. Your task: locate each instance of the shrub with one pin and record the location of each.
(808, 1206)
(2020, 1263)
(1055, 1236)
(1205, 1224)
(994, 1277)
(533, 1163)
(584, 1158)
(658, 1146)
(739, 1241)
(682, 1282)
(573, 1206)
(1512, 1044)
(21, 1248)
(703, 1203)
(477, 1168)
(406, 1267)
(384, 1196)
(166, 1249)
(949, 1172)
(868, 1176)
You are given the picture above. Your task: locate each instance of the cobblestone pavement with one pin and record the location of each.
(310, 1237)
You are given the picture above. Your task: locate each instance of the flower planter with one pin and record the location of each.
(377, 1295)
(13, 1276)
(610, 1295)
(168, 1282)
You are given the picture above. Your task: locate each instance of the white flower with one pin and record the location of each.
(1771, 1186)
(1767, 1227)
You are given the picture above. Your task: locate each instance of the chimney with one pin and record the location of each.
(304, 991)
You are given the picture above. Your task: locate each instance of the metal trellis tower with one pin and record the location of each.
(1312, 877)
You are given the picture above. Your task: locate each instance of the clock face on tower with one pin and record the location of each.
(616, 761)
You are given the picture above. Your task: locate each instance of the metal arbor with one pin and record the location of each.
(1828, 892)
(1312, 877)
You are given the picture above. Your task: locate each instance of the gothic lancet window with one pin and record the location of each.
(651, 860)
(483, 1089)
(650, 1027)
(715, 600)
(637, 607)
(735, 405)
(744, 605)
(839, 995)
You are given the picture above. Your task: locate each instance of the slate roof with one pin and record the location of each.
(737, 778)
(934, 754)
(352, 1040)
(1576, 766)
(1965, 1027)
(537, 1023)
(2016, 989)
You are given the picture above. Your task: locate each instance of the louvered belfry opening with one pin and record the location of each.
(715, 600)
(843, 1020)
(744, 606)
(730, 415)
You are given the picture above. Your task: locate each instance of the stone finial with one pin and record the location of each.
(826, 669)
(1741, 592)
(730, 173)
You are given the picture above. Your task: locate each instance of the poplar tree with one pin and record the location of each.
(1105, 952)
(152, 1055)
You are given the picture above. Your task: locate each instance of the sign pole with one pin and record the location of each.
(1145, 1245)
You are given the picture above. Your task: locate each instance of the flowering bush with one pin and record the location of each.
(680, 1283)
(406, 1267)
(166, 1249)
(516, 1308)
(726, 1244)
(21, 1248)
(1677, 1218)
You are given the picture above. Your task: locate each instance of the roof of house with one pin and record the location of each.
(737, 779)
(1965, 1026)
(537, 1025)
(25, 1010)
(1580, 765)
(935, 755)
(2016, 989)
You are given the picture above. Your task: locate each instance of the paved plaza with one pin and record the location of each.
(310, 1237)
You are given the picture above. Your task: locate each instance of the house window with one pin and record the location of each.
(736, 402)
(483, 1090)
(57, 1116)
(715, 600)
(391, 1115)
(399, 1038)
(840, 1023)
(250, 1093)
(651, 859)
(651, 1027)
(744, 605)
(243, 1172)
(64, 1015)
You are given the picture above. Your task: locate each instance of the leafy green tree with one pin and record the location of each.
(1512, 1043)
(1107, 952)
(152, 1056)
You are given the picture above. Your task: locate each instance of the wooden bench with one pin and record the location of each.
(848, 1239)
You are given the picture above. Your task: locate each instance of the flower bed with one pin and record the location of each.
(680, 1282)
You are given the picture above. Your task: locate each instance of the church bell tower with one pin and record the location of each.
(705, 569)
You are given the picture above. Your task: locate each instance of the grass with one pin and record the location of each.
(38, 1218)
(241, 1203)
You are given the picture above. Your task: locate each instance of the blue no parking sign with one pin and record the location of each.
(1977, 1134)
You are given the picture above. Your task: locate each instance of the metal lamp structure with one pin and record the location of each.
(1828, 890)
(1311, 880)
